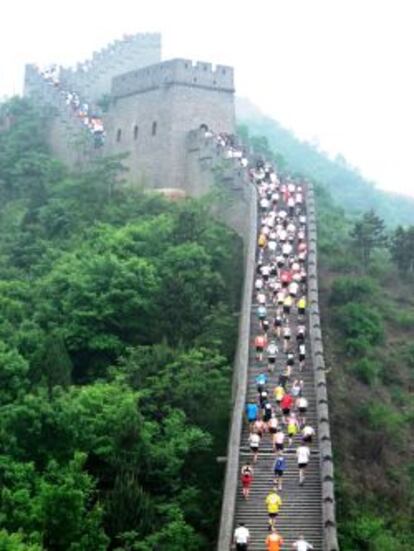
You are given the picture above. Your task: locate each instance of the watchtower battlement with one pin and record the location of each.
(92, 78)
(182, 72)
(149, 112)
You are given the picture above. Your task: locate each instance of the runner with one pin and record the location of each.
(272, 351)
(260, 343)
(303, 456)
(297, 388)
(274, 541)
(287, 333)
(251, 412)
(279, 440)
(259, 427)
(254, 441)
(302, 545)
(292, 427)
(273, 504)
(302, 405)
(279, 468)
(301, 304)
(261, 381)
(241, 537)
(302, 356)
(308, 433)
(267, 412)
(246, 479)
(285, 376)
(278, 393)
(286, 405)
(277, 325)
(272, 428)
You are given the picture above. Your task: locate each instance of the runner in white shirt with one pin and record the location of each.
(286, 249)
(302, 405)
(303, 455)
(308, 433)
(293, 289)
(302, 545)
(241, 537)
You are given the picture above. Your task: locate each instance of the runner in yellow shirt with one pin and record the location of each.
(301, 304)
(273, 504)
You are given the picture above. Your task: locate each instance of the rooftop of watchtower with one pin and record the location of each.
(175, 71)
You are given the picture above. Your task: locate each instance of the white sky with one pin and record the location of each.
(340, 72)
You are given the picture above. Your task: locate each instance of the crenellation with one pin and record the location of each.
(176, 71)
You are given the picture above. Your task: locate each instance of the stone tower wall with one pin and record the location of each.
(92, 79)
(177, 96)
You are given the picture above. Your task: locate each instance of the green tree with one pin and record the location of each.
(402, 249)
(368, 234)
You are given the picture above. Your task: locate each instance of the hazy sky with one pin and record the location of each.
(339, 72)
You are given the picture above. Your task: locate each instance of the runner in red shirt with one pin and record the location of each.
(285, 277)
(246, 479)
(260, 343)
(286, 405)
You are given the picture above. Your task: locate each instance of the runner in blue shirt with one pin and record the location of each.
(279, 468)
(251, 412)
(261, 381)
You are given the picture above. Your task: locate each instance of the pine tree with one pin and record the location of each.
(402, 249)
(368, 234)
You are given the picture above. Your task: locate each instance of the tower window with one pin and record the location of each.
(136, 130)
(154, 128)
(118, 135)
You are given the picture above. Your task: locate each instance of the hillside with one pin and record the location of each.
(368, 329)
(347, 186)
(117, 334)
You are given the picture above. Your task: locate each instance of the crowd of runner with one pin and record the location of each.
(80, 109)
(279, 413)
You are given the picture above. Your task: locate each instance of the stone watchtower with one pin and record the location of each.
(153, 110)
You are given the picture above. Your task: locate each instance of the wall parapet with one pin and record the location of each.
(325, 444)
(175, 71)
(92, 78)
(48, 96)
(240, 372)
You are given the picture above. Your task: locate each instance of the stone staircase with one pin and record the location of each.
(301, 510)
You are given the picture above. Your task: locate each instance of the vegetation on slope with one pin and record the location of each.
(368, 324)
(346, 185)
(116, 337)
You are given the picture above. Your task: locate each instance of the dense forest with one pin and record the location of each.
(366, 284)
(117, 332)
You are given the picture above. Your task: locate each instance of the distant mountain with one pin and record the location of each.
(348, 187)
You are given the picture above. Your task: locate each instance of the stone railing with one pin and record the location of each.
(318, 362)
(239, 383)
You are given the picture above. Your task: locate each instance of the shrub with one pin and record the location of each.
(352, 289)
(361, 325)
(366, 370)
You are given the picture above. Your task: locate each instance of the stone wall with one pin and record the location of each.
(318, 362)
(240, 369)
(93, 78)
(150, 118)
(68, 138)
(208, 171)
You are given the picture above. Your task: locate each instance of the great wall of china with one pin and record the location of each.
(155, 111)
